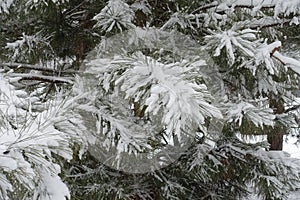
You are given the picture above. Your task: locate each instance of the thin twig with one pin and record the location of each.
(35, 67)
(38, 77)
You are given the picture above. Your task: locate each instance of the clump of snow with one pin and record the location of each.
(232, 40)
(51, 186)
(264, 56)
(290, 62)
(117, 14)
(257, 114)
(5, 5)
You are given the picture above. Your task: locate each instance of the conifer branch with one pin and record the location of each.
(292, 108)
(245, 5)
(13, 65)
(38, 77)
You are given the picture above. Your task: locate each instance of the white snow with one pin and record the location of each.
(42, 77)
(117, 14)
(290, 62)
(232, 40)
(52, 187)
(263, 55)
(294, 195)
(281, 6)
(5, 5)
(291, 146)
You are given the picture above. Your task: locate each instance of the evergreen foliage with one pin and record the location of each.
(144, 99)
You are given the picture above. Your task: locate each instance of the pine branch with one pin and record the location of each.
(236, 5)
(281, 61)
(272, 24)
(13, 65)
(38, 77)
(291, 62)
(205, 7)
(292, 108)
(70, 11)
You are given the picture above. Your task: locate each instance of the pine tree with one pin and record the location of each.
(162, 95)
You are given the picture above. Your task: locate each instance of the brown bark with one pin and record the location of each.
(276, 139)
(140, 18)
(275, 135)
(139, 111)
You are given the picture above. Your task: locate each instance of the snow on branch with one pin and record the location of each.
(116, 14)
(259, 115)
(5, 5)
(27, 142)
(181, 100)
(264, 55)
(26, 149)
(266, 22)
(290, 62)
(236, 4)
(285, 7)
(220, 13)
(164, 89)
(266, 52)
(29, 45)
(232, 40)
(13, 65)
(43, 78)
(131, 138)
(9, 99)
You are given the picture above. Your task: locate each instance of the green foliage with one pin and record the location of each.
(146, 77)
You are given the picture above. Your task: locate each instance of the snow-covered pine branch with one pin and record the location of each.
(162, 88)
(141, 103)
(288, 61)
(115, 15)
(5, 5)
(141, 5)
(42, 78)
(234, 41)
(15, 66)
(182, 20)
(266, 163)
(13, 102)
(285, 7)
(30, 139)
(33, 4)
(259, 115)
(26, 47)
(256, 14)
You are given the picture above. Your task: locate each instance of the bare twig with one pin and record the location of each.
(38, 77)
(275, 23)
(35, 67)
(274, 56)
(278, 59)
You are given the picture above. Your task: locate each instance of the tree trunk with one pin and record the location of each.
(275, 136)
